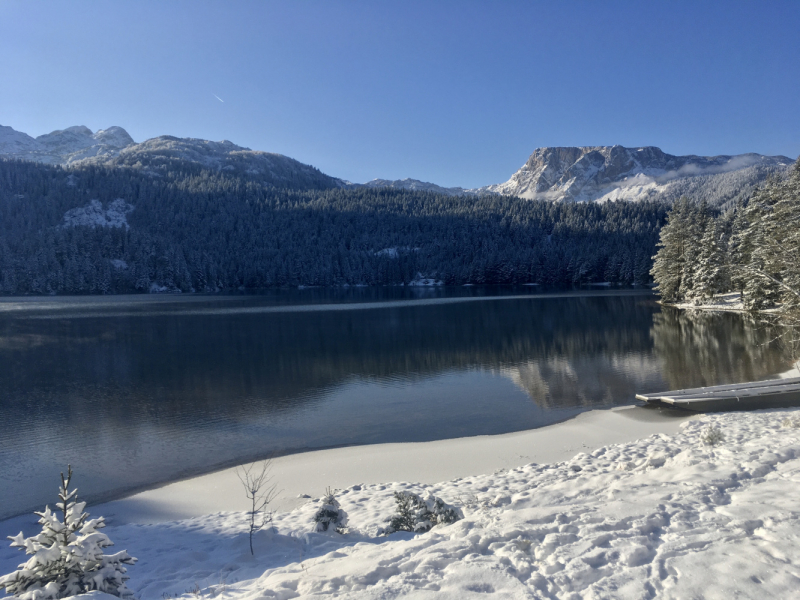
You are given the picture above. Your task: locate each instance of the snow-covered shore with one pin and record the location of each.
(666, 516)
(728, 302)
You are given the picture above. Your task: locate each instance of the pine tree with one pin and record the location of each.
(711, 275)
(418, 514)
(676, 237)
(67, 557)
(738, 252)
(697, 223)
(759, 270)
(330, 516)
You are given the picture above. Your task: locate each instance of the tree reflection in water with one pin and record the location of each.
(701, 348)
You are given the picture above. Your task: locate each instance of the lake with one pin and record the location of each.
(138, 390)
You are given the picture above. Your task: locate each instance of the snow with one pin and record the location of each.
(415, 185)
(665, 516)
(727, 302)
(424, 281)
(603, 173)
(388, 252)
(64, 146)
(94, 215)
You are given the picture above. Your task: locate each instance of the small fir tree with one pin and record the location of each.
(330, 516)
(418, 514)
(67, 557)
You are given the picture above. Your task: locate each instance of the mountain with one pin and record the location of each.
(571, 174)
(414, 185)
(166, 153)
(601, 173)
(64, 146)
(113, 147)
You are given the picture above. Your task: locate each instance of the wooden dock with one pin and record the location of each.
(774, 393)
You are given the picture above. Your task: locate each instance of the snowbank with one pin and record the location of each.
(666, 516)
(310, 473)
(731, 301)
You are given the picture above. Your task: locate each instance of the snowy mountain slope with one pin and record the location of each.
(64, 146)
(113, 147)
(94, 215)
(596, 173)
(618, 173)
(167, 152)
(14, 143)
(414, 185)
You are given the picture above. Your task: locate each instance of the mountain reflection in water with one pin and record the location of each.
(136, 396)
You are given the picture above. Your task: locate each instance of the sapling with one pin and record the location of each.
(418, 514)
(67, 556)
(330, 516)
(712, 436)
(256, 482)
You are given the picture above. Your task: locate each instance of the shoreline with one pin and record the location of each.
(657, 513)
(303, 476)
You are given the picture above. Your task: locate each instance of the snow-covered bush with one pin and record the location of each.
(712, 436)
(418, 514)
(791, 421)
(67, 556)
(330, 516)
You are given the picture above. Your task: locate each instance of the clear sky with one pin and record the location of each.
(457, 93)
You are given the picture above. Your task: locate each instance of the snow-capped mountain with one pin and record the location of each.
(167, 152)
(114, 147)
(615, 172)
(63, 146)
(596, 173)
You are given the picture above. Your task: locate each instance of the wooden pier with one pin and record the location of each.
(774, 393)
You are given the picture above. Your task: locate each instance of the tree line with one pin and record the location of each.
(207, 230)
(753, 248)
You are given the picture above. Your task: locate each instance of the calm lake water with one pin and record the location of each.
(134, 391)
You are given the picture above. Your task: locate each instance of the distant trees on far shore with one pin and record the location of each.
(209, 230)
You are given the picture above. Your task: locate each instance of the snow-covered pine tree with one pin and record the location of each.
(760, 269)
(711, 273)
(67, 557)
(330, 516)
(418, 514)
(737, 249)
(698, 220)
(673, 247)
(783, 248)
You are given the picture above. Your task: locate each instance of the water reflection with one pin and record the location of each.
(700, 348)
(132, 395)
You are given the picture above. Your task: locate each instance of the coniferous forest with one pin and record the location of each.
(753, 248)
(192, 229)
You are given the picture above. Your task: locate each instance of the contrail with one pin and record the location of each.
(218, 98)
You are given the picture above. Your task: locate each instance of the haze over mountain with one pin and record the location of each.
(597, 173)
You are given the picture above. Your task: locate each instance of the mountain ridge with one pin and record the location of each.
(564, 174)
(598, 173)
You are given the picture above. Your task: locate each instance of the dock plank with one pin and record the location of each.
(741, 396)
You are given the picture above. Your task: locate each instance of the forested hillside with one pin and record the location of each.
(98, 229)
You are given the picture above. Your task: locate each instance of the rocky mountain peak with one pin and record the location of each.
(586, 173)
(63, 146)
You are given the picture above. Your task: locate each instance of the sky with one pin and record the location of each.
(457, 93)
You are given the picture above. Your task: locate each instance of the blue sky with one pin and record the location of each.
(457, 93)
